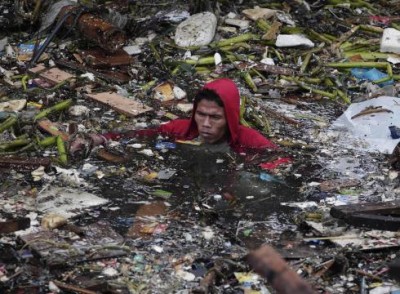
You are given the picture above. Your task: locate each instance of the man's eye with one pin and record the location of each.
(216, 117)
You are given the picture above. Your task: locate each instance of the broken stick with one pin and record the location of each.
(270, 265)
(371, 110)
(72, 288)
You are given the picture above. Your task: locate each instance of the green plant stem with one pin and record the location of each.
(313, 34)
(13, 144)
(305, 63)
(49, 141)
(234, 40)
(249, 81)
(57, 107)
(62, 152)
(243, 111)
(263, 25)
(356, 64)
(344, 97)
(8, 123)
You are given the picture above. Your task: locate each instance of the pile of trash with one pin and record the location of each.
(318, 78)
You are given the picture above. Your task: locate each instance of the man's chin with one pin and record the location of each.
(208, 140)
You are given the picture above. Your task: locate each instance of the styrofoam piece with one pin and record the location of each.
(13, 105)
(132, 49)
(293, 41)
(390, 41)
(185, 107)
(240, 23)
(197, 30)
(67, 202)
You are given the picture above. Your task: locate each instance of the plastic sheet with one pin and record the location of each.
(369, 132)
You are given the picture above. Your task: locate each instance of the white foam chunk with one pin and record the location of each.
(292, 41)
(390, 41)
(197, 30)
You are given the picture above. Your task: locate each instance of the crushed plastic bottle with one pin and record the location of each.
(165, 145)
(394, 132)
(370, 75)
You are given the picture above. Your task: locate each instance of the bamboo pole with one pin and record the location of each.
(14, 144)
(62, 152)
(243, 111)
(305, 63)
(57, 107)
(263, 25)
(356, 64)
(319, 37)
(249, 81)
(46, 142)
(8, 123)
(234, 40)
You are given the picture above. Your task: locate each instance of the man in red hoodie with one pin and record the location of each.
(215, 123)
(215, 120)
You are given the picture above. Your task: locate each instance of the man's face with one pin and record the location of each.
(211, 121)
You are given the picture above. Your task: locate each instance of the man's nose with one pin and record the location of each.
(207, 122)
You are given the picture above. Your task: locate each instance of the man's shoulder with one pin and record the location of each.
(251, 138)
(176, 126)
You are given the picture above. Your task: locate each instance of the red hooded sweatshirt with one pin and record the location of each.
(241, 138)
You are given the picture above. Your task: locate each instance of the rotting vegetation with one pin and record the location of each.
(163, 222)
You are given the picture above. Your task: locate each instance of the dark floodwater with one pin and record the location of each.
(216, 182)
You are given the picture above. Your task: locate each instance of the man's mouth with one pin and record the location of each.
(205, 134)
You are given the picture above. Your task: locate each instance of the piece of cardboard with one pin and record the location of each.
(120, 104)
(53, 129)
(56, 75)
(38, 68)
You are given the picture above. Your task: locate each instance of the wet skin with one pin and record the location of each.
(211, 121)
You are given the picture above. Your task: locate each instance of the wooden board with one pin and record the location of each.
(120, 104)
(100, 58)
(117, 76)
(23, 163)
(390, 207)
(380, 216)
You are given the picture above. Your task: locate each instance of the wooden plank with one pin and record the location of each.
(374, 221)
(343, 211)
(108, 156)
(381, 216)
(100, 58)
(53, 129)
(119, 76)
(120, 104)
(23, 163)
